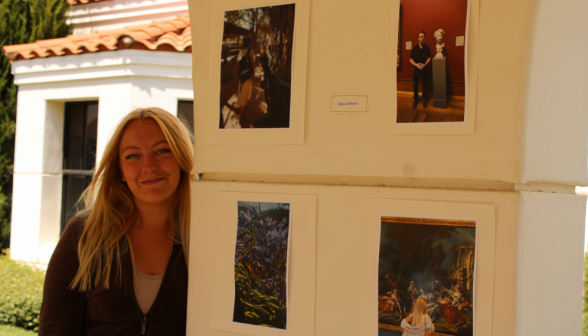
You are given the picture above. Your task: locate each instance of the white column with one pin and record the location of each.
(36, 202)
(550, 264)
(555, 147)
(114, 103)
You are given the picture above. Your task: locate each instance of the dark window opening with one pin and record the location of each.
(186, 110)
(79, 154)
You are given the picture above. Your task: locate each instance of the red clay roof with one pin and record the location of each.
(82, 2)
(162, 35)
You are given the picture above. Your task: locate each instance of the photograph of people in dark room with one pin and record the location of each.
(430, 67)
(256, 67)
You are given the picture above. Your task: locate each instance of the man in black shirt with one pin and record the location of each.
(420, 56)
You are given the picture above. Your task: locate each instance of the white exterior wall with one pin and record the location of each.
(530, 139)
(554, 150)
(550, 239)
(120, 81)
(88, 18)
(555, 143)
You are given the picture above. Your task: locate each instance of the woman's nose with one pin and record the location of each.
(150, 164)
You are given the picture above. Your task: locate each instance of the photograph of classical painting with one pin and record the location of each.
(431, 61)
(256, 67)
(261, 264)
(429, 259)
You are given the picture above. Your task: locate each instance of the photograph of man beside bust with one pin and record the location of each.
(431, 85)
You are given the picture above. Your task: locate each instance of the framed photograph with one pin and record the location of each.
(439, 252)
(432, 260)
(261, 264)
(435, 68)
(258, 70)
(264, 278)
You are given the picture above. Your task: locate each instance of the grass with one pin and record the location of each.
(8, 330)
(21, 293)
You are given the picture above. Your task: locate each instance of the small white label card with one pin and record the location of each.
(459, 41)
(349, 103)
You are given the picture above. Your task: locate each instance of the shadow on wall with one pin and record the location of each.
(383, 332)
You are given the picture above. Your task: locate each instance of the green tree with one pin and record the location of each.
(585, 307)
(21, 21)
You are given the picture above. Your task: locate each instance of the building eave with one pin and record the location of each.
(109, 64)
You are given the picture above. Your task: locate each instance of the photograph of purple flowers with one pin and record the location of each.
(261, 264)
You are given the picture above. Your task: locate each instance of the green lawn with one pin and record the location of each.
(8, 330)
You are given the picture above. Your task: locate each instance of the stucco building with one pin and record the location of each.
(72, 92)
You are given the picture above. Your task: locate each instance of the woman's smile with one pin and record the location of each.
(153, 181)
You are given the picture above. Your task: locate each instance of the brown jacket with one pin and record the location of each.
(112, 311)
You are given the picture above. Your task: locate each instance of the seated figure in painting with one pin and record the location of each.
(431, 300)
(412, 291)
(394, 305)
(435, 286)
(384, 303)
(466, 309)
(456, 295)
(435, 311)
(423, 295)
(399, 303)
(452, 313)
(449, 311)
(390, 305)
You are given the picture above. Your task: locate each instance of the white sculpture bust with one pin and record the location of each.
(439, 37)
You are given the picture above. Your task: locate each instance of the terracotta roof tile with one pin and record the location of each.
(162, 35)
(82, 2)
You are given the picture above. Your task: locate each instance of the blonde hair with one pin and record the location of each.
(420, 307)
(109, 208)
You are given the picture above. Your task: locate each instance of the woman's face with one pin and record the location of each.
(147, 164)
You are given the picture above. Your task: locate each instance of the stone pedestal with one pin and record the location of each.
(439, 83)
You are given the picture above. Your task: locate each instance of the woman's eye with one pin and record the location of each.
(163, 151)
(131, 156)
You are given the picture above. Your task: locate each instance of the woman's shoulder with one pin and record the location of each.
(66, 251)
(75, 227)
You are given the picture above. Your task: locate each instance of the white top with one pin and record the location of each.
(146, 289)
(410, 330)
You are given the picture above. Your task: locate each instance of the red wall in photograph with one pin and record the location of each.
(430, 15)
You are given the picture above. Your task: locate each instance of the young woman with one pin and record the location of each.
(419, 322)
(120, 267)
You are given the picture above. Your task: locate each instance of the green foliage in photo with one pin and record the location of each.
(257, 309)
